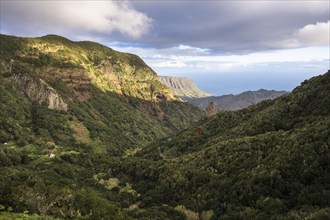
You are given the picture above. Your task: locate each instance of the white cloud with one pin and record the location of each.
(310, 35)
(264, 7)
(170, 64)
(191, 50)
(160, 59)
(315, 34)
(102, 17)
(180, 50)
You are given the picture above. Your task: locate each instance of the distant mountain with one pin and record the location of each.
(183, 87)
(236, 102)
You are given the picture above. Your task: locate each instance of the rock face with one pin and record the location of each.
(39, 91)
(183, 87)
(236, 102)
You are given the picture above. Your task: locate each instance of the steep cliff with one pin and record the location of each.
(38, 90)
(183, 87)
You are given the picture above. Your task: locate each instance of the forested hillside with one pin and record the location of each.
(63, 106)
(82, 92)
(269, 161)
(89, 133)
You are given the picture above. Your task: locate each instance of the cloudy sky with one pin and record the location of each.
(225, 46)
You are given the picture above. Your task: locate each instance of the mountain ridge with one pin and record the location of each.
(236, 102)
(106, 68)
(96, 86)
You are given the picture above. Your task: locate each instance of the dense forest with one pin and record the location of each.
(122, 152)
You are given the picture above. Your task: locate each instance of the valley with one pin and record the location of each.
(87, 132)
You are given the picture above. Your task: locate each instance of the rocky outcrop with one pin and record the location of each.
(183, 87)
(236, 102)
(75, 79)
(39, 91)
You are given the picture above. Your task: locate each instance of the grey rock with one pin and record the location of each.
(38, 90)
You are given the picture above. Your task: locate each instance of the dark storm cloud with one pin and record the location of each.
(230, 25)
(221, 26)
(209, 41)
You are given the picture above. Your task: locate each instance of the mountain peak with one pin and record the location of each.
(54, 37)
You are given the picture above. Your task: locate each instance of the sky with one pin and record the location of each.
(224, 46)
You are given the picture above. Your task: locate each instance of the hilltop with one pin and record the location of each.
(54, 57)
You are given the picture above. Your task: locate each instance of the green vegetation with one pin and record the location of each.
(49, 157)
(127, 149)
(23, 216)
(98, 117)
(270, 161)
(72, 62)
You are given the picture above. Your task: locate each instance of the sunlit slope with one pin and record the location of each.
(114, 97)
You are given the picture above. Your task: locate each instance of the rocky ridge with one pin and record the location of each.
(183, 87)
